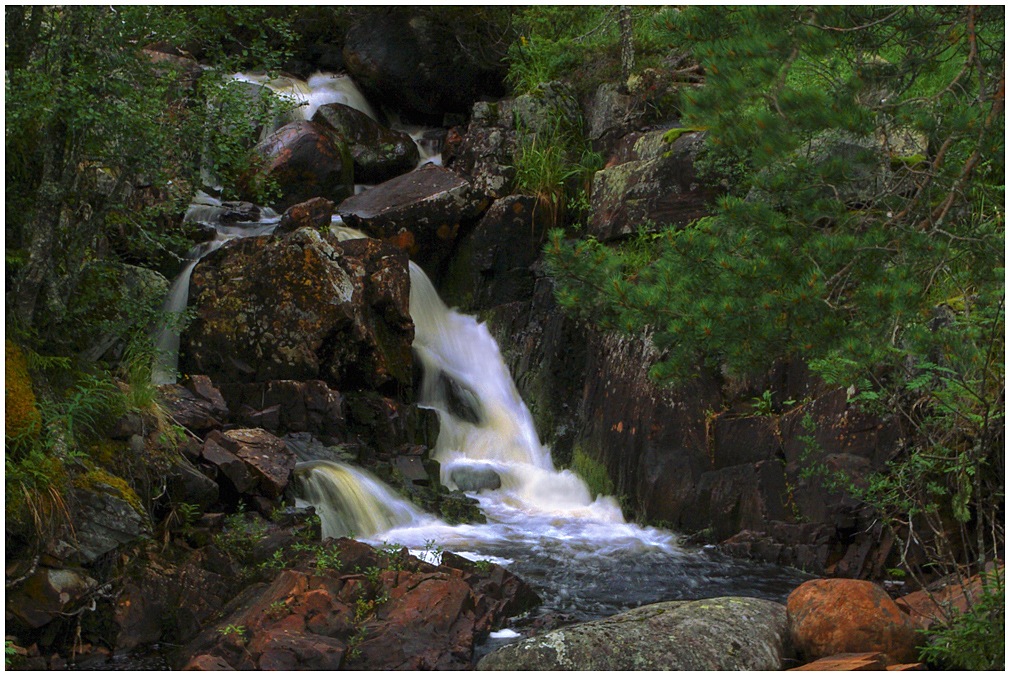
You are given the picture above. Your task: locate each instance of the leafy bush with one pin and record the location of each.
(974, 640)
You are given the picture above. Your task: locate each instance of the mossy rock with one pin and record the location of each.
(22, 411)
(107, 513)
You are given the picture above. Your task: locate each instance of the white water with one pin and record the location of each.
(350, 500)
(308, 96)
(536, 505)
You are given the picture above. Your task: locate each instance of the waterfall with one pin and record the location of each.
(349, 500)
(167, 341)
(483, 422)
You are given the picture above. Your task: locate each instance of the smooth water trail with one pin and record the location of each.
(320, 89)
(350, 500)
(464, 369)
(584, 560)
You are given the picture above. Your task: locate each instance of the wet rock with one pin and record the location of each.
(421, 212)
(314, 213)
(288, 406)
(827, 617)
(471, 478)
(47, 594)
(379, 153)
(302, 307)
(305, 160)
(723, 633)
(411, 615)
(239, 212)
(411, 58)
(653, 180)
(492, 263)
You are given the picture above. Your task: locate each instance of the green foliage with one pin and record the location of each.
(555, 165)
(592, 472)
(240, 534)
(91, 116)
(579, 43)
(886, 276)
(974, 640)
(327, 558)
(235, 630)
(483, 566)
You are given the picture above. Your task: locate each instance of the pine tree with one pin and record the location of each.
(863, 231)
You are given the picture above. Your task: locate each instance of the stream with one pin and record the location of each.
(575, 548)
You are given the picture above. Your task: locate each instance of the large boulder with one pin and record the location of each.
(651, 178)
(425, 60)
(828, 617)
(421, 212)
(302, 307)
(305, 160)
(314, 213)
(266, 457)
(379, 153)
(729, 634)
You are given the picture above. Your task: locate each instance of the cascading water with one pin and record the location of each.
(320, 89)
(542, 523)
(350, 500)
(459, 355)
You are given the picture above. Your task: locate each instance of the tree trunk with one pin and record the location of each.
(627, 46)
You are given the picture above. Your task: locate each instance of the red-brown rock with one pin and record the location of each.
(945, 598)
(420, 212)
(412, 615)
(306, 160)
(302, 307)
(847, 662)
(314, 213)
(268, 459)
(828, 617)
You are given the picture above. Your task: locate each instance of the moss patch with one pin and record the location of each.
(22, 411)
(98, 480)
(592, 472)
